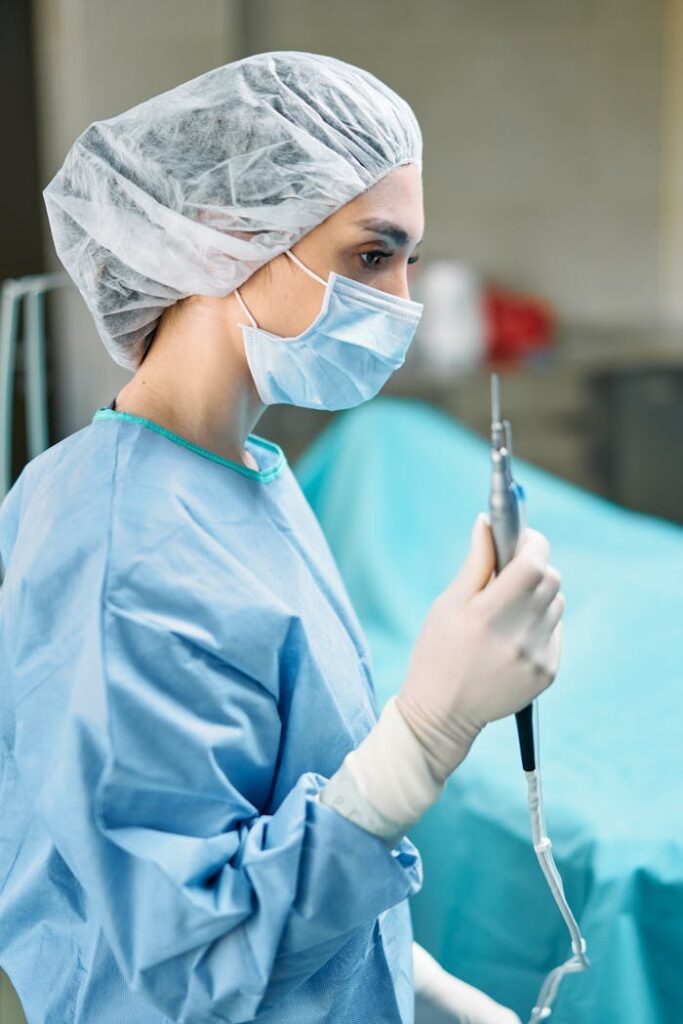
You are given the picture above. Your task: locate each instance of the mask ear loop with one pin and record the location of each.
(311, 273)
(244, 308)
(288, 252)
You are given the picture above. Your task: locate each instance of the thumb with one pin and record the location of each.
(480, 561)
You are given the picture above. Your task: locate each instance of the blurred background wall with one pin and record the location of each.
(542, 132)
(92, 60)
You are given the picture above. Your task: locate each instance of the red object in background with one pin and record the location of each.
(515, 325)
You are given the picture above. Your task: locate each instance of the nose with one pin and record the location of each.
(397, 283)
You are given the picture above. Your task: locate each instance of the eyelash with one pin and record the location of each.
(384, 255)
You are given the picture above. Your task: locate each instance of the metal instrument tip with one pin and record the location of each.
(497, 428)
(495, 399)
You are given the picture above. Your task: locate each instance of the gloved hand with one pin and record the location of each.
(486, 649)
(441, 998)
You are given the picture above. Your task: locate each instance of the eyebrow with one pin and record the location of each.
(389, 230)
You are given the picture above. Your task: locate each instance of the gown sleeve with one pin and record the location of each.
(148, 755)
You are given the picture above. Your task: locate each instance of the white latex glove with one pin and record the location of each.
(486, 649)
(441, 998)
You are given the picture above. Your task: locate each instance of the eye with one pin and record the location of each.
(414, 259)
(375, 255)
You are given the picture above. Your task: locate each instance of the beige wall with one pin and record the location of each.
(542, 132)
(10, 1007)
(672, 166)
(94, 59)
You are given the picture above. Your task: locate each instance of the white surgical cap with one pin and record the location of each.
(193, 190)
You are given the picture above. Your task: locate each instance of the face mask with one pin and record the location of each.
(359, 338)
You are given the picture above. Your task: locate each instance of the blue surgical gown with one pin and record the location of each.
(181, 670)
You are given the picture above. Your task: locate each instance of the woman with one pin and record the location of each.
(204, 819)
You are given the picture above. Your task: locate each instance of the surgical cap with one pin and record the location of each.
(193, 190)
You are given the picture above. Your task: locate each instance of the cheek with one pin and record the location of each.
(290, 308)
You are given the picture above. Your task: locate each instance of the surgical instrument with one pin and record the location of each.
(508, 518)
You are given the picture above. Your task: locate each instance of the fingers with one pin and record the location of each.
(547, 590)
(541, 633)
(554, 613)
(556, 648)
(523, 574)
(479, 565)
(481, 559)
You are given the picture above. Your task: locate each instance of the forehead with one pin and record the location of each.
(393, 206)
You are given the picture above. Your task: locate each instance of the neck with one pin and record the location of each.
(195, 380)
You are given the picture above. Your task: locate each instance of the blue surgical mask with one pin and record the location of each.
(359, 338)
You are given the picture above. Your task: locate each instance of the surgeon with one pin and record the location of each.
(203, 816)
